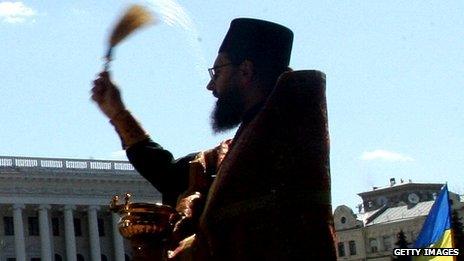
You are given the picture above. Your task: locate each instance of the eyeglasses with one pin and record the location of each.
(212, 71)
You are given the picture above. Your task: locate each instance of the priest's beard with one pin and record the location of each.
(228, 111)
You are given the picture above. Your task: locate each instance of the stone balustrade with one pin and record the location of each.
(56, 163)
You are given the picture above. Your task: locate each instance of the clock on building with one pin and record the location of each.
(382, 200)
(413, 198)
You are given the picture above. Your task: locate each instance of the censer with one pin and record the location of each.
(147, 226)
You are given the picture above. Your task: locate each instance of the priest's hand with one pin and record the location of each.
(190, 208)
(107, 96)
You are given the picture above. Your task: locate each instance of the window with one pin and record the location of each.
(373, 244)
(387, 243)
(58, 258)
(352, 245)
(101, 227)
(343, 220)
(77, 227)
(104, 258)
(80, 257)
(56, 226)
(8, 226)
(341, 249)
(33, 223)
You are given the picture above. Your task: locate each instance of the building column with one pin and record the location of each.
(20, 247)
(117, 239)
(44, 228)
(94, 237)
(70, 237)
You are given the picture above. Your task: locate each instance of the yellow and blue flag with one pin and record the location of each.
(436, 231)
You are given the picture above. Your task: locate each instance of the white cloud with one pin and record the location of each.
(385, 156)
(15, 12)
(119, 155)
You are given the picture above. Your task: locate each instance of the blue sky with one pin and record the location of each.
(394, 80)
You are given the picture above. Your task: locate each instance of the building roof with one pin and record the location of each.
(401, 187)
(364, 216)
(400, 213)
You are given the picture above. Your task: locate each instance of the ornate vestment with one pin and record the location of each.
(270, 199)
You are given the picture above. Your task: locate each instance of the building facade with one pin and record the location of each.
(371, 233)
(58, 209)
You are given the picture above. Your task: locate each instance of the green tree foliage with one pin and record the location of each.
(402, 243)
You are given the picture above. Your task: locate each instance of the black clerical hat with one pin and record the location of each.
(259, 41)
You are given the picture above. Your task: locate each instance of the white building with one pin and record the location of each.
(372, 232)
(57, 209)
